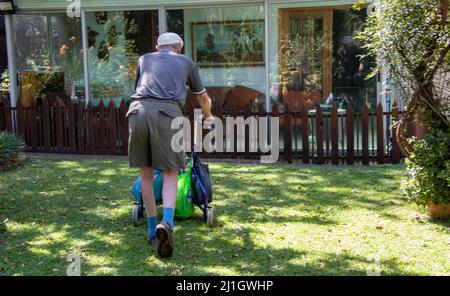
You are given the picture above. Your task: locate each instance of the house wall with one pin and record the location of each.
(254, 77)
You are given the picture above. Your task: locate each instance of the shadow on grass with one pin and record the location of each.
(87, 206)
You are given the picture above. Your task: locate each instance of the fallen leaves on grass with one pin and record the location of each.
(177, 272)
(422, 218)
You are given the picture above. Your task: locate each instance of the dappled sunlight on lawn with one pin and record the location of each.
(270, 219)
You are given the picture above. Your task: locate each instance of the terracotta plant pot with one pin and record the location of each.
(439, 211)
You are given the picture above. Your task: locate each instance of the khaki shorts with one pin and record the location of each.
(149, 143)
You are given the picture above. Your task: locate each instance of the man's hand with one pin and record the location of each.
(205, 103)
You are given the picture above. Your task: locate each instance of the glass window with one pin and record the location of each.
(349, 68)
(116, 40)
(49, 56)
(316, 60)
(227, 43)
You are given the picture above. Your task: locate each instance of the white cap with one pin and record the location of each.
(169, 38)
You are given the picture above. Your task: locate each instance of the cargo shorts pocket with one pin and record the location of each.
(133, 109)
(166, 117)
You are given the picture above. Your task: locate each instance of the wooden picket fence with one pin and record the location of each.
(66, 127)
(310, 136)
(342, 138)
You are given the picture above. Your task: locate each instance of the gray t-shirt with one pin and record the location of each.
(165, 74)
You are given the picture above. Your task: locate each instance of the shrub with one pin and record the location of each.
(10, 147)
(428, 169)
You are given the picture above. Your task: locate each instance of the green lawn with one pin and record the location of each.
(271, 220)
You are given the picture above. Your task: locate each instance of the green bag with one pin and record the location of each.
(184, 206)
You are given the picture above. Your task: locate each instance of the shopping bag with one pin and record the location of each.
(184, 206)
(200, 181)
(157, 187)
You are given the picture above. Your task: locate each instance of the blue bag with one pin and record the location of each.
(157, 187)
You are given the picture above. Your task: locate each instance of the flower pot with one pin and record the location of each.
(439, 211)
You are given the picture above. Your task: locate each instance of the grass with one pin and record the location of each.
(271, 220)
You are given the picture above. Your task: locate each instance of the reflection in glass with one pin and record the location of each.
(49, 56)
(316, 59)
(116, 41)
(227, 43)
(306, 55)
(350, 70)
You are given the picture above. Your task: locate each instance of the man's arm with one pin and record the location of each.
(196, 85)
(205, 103)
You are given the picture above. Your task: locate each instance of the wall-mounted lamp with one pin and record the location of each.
(7, 7)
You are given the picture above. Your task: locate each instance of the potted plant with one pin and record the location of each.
(428, 170)
(71, 56)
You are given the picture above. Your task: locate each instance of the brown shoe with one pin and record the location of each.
(164, 235)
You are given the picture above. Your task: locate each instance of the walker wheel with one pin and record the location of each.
(209, 216)
(135, 215)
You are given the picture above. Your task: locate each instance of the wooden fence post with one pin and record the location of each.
(247, 114)
(234, 127)
(395, 147)
(101, 128)
(380, 134)
(287, 134)
(350, 135)
(46, 125)
(91, 128)
(3, 110)
(71, 107)
(334, 136)
(81, 122)
(59, 124)
(305, 134)
(20, 120)
(33, 126)
(365, 134)
(275, 114)
(7, 116)
(319, 135)
(219, 114)
(123, 126)
(112, 127)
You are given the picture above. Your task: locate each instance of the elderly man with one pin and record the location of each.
(160, 92)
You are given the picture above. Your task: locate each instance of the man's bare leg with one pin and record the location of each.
(164, 230)
(170, 188)
(149, 200)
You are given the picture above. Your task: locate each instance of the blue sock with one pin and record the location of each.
(168, 214)
(152, 221)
